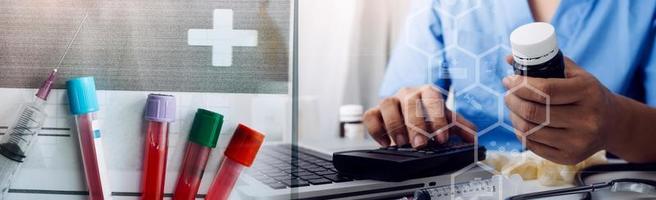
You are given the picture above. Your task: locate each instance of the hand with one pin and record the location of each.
(411, 115)
(580, 111)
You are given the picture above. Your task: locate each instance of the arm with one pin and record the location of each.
(409, 63)
(634, 141)
(410, 115)
(639, 119)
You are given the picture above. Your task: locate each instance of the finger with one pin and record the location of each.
(556, 116)
(467, 132)
(539, 90)
(414, 119)
(509, 59)
(552, 137)
(572, 71)
(544, 151)
(390, 109)
(433, 102)
(373, 120)
(527, 110)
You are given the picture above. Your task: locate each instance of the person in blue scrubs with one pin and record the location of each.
(458, 49)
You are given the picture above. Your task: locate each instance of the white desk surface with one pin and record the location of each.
(334, 144)
(54, 164)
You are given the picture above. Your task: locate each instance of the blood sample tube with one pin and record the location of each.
(241, 152)
(160, 112)
(84, 105)
(202, 139)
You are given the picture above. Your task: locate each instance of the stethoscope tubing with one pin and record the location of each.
(587, 188)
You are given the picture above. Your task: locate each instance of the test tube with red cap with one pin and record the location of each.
(84, 105)
(241, 152)
(202, 139)
(160, 112)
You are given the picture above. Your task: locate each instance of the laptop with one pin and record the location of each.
(285, 171)
(298, 171)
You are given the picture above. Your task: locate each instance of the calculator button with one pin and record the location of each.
(407, 149)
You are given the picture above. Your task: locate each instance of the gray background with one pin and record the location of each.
(142, 44)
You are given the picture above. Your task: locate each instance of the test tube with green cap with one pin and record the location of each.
(202, 139)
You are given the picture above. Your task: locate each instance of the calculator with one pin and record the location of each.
(402, 163)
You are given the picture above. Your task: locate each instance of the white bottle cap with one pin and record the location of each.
(534, 43)
(350, 113)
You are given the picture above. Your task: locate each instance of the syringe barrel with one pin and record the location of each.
(20, 135)
(17, 141)
(8, 169)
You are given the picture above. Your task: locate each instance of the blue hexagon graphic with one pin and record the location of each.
(493, 68)
(481, 106)
(454, 64)
(456, 8)
(416, 31)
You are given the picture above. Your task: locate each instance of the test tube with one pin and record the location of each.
(241, 152)
(160, 112)
(22, 133)
(83, 104)
(202, 139)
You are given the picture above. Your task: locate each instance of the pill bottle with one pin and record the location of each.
(350, 122)
(535, 51)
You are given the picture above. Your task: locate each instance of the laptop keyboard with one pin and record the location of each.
(277, 167)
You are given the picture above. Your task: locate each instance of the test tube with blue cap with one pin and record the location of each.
(22, 133)
(83, 104)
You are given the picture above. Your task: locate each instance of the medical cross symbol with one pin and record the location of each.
(222, 38)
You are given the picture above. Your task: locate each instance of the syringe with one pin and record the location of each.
(21, 134)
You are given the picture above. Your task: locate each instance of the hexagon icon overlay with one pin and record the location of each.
(457, 8)
(547, 98)
(437, 109)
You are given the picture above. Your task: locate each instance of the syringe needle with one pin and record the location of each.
(70, 43)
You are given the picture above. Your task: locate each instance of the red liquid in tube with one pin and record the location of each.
(154, 174)
(202, 139)
(160, 111)
(193, 166)
(241, 152)
(83, 104)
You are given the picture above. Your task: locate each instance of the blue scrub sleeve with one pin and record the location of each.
(411, 62)
(650, 71)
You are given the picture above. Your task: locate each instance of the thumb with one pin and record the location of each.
(464, 128)
(509, 59)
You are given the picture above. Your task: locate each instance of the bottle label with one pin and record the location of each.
(354, 131)
(528, 61)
